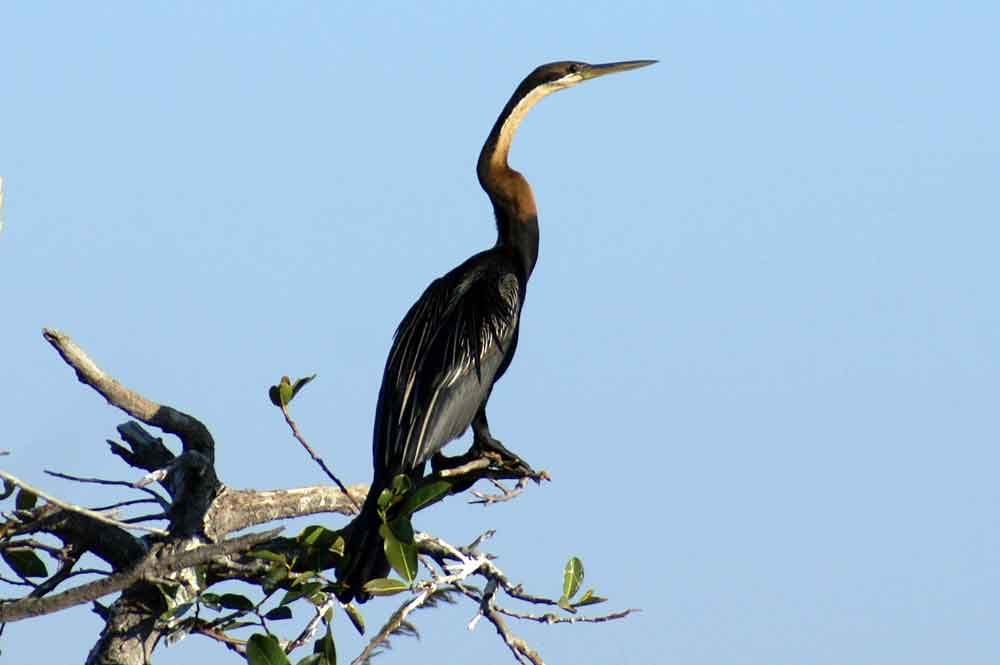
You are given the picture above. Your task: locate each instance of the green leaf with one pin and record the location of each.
(354, 614)
(291, 596)
(424, 496)
(300, 590)
(300, 384)
(318, 536)
(170, 592)
(25, 500)
(234, 601)
(402, 556)
(401, 484)
(325, 647)
(8, 489)
(236, 625)
(338, 545)
(385, 586)
(276, 574)
(588, 598)
(279, 613)
(265, 650)
(385, 500)
(285, 390)
(312, 659)
(318, 598)
(402, 529)
(209, 599)
(572, 577)
(176, 612)
(200, 581)
(266, 555)
(25, 563)
(566, 605)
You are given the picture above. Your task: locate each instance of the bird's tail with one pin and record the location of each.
(364, 550)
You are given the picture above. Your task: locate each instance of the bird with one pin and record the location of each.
(459, 337)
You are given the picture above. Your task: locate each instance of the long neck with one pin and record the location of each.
(513, 201)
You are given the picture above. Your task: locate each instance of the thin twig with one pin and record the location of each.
(393, 623)
(153, 566)
(146, 518)
(316, 458)
(507, 493)
(58, 553)
(465, 567)
(517, 646)
(21, 582)
(514, 590)
(199, 627)
(473, 547)
(122, 504)
(551, 618)
(310, 629)
(78, 509)
(65, 571)
(118, 483)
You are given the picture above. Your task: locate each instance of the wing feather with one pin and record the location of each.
(445, 357)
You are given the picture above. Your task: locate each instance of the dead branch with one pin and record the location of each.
(192, 433)
(98, 517)
(203, 510)
(117, 483)
(506, 493)
(151, 567)
(552, 618)
(233, 510)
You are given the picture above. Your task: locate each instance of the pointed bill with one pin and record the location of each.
(593, 71)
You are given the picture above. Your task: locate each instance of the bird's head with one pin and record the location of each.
(502, 183)
(558, 75)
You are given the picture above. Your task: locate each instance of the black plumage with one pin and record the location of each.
(455, 341)
(458, 339)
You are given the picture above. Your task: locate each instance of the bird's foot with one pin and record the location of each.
(490, 447)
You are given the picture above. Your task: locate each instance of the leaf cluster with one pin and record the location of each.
(572, 580)
(396, 506)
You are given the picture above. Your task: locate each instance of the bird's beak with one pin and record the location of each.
(593, 71)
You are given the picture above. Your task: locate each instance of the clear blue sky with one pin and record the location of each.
(760, 355)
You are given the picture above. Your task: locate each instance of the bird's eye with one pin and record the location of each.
(574, 68)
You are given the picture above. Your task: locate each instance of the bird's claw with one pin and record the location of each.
(503, 457)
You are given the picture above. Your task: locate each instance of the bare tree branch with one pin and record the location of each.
(465, 566)
(200, 627)
(202, 509)
(152, 566)
(233, 510)
(552, 618)
(78, 509)
(506, 493)
(145, 450)
(119, 483)
(114, 545)
(309, 631)
(192, 433)
(517, 646)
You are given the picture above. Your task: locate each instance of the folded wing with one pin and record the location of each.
(445, 357)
